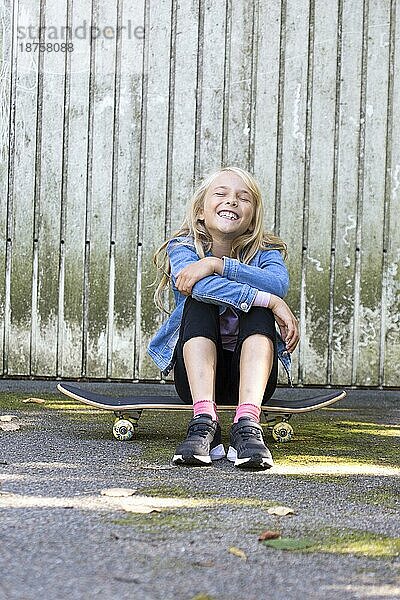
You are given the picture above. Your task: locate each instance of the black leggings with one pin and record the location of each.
(202, 319)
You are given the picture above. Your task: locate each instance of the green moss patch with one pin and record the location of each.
(153, 452)
(321, 438)
(355, 542)
(362, 543)
(320, 478)
(10, 401)
(182, 520)
(246, 503)
(375, 429)
(187, 519)
(13, 402)
(383, 496)
(213, 499)
(210, 498)
(168, 491)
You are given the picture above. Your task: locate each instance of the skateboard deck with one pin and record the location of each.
(277, 411)
(175, 403)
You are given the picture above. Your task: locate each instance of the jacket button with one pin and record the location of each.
(244, 305)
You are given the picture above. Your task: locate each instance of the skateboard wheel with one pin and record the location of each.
(282, 432)
(123, 430)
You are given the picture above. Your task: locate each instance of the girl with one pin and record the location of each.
(228, 278)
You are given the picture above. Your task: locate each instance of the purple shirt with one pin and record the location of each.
(229, 327)
(229, 321)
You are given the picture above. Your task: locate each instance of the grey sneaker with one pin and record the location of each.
(247, 448)
(202, 444)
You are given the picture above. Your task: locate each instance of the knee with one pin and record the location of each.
(259, 339)
(201, 341)
(202, 349)
(257, 345)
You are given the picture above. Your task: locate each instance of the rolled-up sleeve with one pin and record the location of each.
(270, 276)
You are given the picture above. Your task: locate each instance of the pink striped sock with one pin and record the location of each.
(205, 407)
(247, 410)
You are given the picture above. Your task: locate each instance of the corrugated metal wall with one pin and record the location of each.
(101, 146)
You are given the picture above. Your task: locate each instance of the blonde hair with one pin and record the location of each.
(244, 247)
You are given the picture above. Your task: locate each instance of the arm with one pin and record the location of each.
(271, 276)
(287, 322)
(283, 316)
(191, 275)
(186, 267)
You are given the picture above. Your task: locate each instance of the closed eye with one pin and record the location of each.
(243, 199)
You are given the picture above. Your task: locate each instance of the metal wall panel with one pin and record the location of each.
(102, 146)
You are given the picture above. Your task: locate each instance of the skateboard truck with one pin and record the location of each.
(126, 423)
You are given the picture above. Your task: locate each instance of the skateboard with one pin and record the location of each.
(128, 410)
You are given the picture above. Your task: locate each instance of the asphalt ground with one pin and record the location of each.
(60, 538)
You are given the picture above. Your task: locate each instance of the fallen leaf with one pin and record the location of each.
(281, 511)
(237, 552)
(33, 401)
(118, 492)
(9, 426)
(204, 563)
(269, 535)
(289, 544)
(127, 579)
(9, 423)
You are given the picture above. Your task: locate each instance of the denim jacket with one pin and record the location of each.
(266, 271)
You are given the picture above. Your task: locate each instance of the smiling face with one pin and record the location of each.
(228, 207)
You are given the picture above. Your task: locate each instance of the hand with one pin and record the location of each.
(287, 322)
(193, 273)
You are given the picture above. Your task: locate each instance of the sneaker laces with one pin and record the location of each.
(201, 429)
(248, 431)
